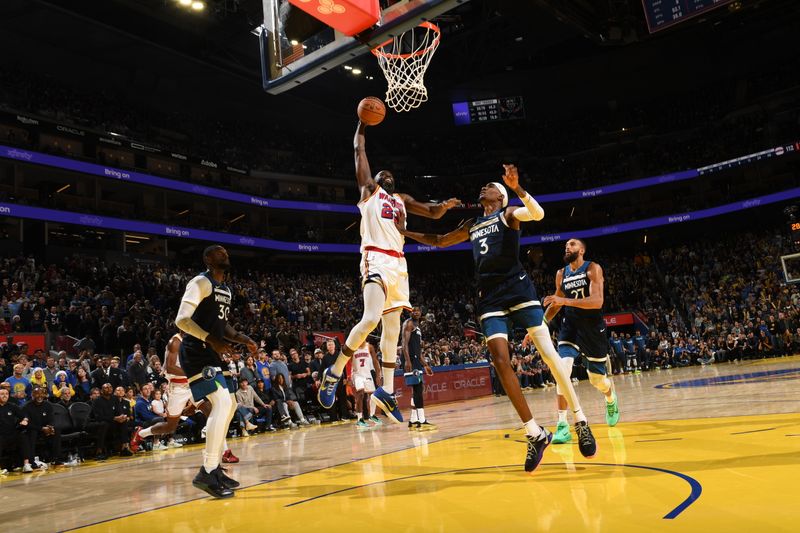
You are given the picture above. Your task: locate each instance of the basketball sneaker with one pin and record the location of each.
(210, 483)
(586, 443)
(136, 440)
(362, 424)
(228, 457)
(536, 447)
(612, 412)
(562, 434)
(387, 402)
(224, 479)
(377, 421)
(427, 426)
(326, 394)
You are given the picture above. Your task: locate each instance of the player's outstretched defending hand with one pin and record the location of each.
(400, 221)
(511, 177)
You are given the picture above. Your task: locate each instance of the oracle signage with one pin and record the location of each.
(620, 319)
(447, 386)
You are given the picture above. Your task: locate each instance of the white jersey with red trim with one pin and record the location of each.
(377, 221)
(362, 364)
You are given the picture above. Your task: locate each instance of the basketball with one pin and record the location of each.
(371, 111)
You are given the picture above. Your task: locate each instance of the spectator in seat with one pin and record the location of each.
(83, 385)
(143, 414)
(137, 373)
(104, 373)
(13, 426)
(20, 386)
(65, 398)
(249, 371)
(250, 406)
(41, 424)
(59, 384)
(50, 370)
(111, 423)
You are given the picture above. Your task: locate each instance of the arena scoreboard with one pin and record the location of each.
(662, 14)
(488, 110)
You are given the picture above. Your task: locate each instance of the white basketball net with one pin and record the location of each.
(404, 60)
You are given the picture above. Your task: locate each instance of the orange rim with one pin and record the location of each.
(378, 50)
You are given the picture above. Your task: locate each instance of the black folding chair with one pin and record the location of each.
(70, 435)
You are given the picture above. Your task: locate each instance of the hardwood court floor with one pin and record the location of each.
(704, 448)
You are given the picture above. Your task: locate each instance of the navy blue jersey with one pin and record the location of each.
(212, 312)
(575, 285)
(495, 249)
(415, 342)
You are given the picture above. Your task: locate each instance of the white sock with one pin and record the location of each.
(532, 428)
(562, 415)
(541, 338)
(388, 379)
(421, 415)
(225, 445)
(414, 416)
(372, 406)
(146, 432)
(216, 428)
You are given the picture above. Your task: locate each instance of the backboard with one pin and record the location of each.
(287, 62)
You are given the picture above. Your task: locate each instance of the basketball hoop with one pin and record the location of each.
(404, 60)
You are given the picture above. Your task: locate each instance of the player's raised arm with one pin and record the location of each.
(427, 209)
(363, 175)
(553, 310)
(530, 210)
(595, 298)
(460, 234)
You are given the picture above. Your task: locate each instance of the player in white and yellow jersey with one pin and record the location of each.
(384, 275)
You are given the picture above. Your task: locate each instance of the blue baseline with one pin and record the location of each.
(733, 379)
(696, 487)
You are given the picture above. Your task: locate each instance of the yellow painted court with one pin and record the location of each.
(674, 462)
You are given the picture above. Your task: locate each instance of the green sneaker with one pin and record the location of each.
(562, 434)
(612, 412)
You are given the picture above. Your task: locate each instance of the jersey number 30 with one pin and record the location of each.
(224, 311)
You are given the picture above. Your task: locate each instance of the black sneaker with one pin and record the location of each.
(536, 447)
(224, 480)
(125, 452)
(586, 443)
(211, 484)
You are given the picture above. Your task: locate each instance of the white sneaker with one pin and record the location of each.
(203, 433)
(245, 433)
(27, 468)
(40, 465)
(174, 444)
(305, 422)
(3, 472)
(250, 427)
(72, 462)
(158, 446)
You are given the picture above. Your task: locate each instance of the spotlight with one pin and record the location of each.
(294, 42)
(198, 6)
(348, 67)
(185, 3)
(356, 71)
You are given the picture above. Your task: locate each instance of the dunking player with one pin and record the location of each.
(413, 361)
(365, 360)
(180, 399)
(579, 290)
(203, 317)
(384, 275)
(505, 296)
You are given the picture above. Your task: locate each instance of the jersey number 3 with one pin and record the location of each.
(484, 246)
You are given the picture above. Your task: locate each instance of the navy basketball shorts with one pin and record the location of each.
(512, 302)
(202, 366)
(586, 338)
